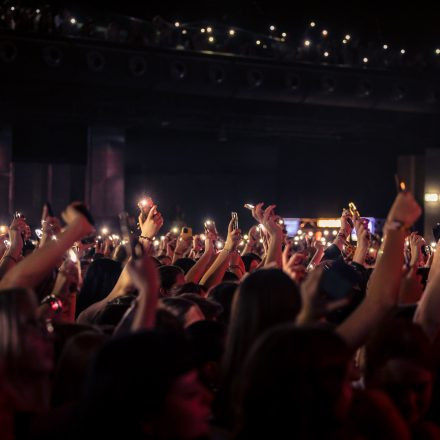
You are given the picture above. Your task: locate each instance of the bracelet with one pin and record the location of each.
(54, 303)
(11, 257)
(145, 237)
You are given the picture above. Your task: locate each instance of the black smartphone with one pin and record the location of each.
(436, 232)
(234, 217)
(132, 246)
(49, 209)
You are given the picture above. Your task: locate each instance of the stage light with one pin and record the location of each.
(334, 233)
(326, 232)
(431, 197)
(329, 223)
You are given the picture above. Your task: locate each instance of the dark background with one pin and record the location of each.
(322, 158)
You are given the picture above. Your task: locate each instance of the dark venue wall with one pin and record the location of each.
(186, 127)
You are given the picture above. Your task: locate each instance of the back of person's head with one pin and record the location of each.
(223, 294)
(264, 299)
(73, 366)
(185, 264)
(129, 383)
(207, 339)
(17, 308)
(251, 261)
(398, 360)
(100, 279)
(210, 309)
(114, 310)
(230, 277)
(199, 289)
(170, 277)
(303, 374)
(185, 310)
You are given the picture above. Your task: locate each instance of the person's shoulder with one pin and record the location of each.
(89, 315)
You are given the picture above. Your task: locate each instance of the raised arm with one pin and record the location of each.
(215, 273)
(34, 268)
(196, 272)
(428, 309)
(383, 290)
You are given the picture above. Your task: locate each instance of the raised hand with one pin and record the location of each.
(233, 239)
(152, 224)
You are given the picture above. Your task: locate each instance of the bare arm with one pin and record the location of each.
(428, 309)
(196, 272)
(383, 290)
(34, 268)
(215, 273)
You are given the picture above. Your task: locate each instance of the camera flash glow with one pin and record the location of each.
(231, 32)
(326, 232)
(73, 20)
(209, 29)
(284, 35)
(347, 37)
(307, 43)
(365, 60)
(403, 51)
(104, 231)
(177, 24)
(385, 46)
(335, 232)
(312, 24)
(272, 28)
(219, 245)
(325, 33)
(431, 197)
(258, 42)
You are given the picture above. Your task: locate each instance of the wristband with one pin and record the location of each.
(145, 237)
(54, 303)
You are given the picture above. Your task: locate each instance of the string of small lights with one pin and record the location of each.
(313, 44)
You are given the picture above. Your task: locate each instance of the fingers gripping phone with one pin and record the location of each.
(132, 245)
(145, 205)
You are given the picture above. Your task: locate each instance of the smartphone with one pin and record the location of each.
(186, 232)
(210, 226)
(426, 250)
(436, 232)
(132, 246)
(353, 210)
(234, 217)
(49, 209)
(145, 205)
(18, 215)
(249, 206)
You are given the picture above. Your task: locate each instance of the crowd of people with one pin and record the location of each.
(312, 44)
(140, 337)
